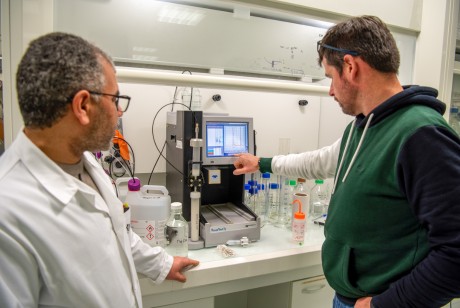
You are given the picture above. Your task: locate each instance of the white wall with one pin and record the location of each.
(405, 14)
(30, 18)
(434, 60)
(275, 116)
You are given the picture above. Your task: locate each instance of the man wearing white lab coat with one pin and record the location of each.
(65, 239)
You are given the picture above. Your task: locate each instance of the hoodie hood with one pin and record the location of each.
(411, 95)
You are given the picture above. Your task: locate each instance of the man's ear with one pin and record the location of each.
(350, 66)
(81, 106)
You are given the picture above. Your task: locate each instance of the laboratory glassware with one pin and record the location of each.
(176, 232)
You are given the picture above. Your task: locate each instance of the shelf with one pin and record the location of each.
(130, 75)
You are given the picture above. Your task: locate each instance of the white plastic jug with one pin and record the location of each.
(150, 208)
(121, 185)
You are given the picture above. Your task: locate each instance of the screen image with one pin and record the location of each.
(224, 139)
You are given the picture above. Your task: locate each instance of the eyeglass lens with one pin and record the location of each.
(122, 103)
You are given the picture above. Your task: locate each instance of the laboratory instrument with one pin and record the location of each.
(222, 215)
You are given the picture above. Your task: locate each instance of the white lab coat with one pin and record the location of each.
(61, 243)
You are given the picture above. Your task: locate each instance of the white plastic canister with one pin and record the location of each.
(122, 187)
(150, 208)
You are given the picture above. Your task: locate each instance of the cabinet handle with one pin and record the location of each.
(313, 289)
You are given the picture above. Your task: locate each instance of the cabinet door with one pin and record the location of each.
(453, 304)
(311, 292)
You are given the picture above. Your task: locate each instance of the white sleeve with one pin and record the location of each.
(318, 164)
(19, 274)
(154, 262)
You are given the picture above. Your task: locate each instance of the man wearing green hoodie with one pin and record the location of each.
(393, 225)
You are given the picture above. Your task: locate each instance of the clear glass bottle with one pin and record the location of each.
(284, 213)
(274, 202)
(176, 232)
(265, 186)
(247, 195)
(261, 204)
(318, 200)
(301, 193)
(191, 97)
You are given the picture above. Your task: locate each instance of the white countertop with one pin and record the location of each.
(274, 257)
(273, 241)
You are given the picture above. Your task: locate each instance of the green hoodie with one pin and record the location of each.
(373, 237)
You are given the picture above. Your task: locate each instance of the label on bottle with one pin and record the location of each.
(178, 240)
(150, 231)
(298, 230)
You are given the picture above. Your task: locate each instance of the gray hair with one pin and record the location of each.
(53, 69)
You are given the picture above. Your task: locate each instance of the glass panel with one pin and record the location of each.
(454, 116)
(171, 34)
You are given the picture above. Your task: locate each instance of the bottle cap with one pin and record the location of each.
(292, 183)
(299, 215)
(319, 181)
(302, 180)
(176, 206)
(134, 185)
(273, 185)
(266, 175)
(247, 186)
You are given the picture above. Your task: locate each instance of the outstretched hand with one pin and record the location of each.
(245, 163)
(180, 265)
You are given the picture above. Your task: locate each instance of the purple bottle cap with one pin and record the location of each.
(134, 185)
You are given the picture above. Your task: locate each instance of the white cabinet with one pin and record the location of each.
(311, 292)
(199, 303)
(453, 304)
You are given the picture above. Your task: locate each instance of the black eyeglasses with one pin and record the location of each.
(121, 101)
(345, 51)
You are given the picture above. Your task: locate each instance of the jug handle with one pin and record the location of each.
(162, 189)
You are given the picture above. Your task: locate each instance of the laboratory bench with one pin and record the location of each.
(271, 272)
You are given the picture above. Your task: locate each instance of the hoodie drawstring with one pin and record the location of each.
(354, 155)
(344, 151)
